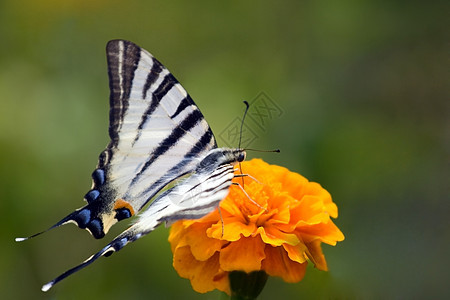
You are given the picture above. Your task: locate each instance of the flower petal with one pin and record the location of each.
(202, 246)
(176, 234)
(311, 210)
(297, 252)
(328, 232)
(229, 207)
(232, 230)
(273, 236)
(315, 254)
(282, 205)
(245, 255)
(313, 188)
(277, 263)
(205, 276)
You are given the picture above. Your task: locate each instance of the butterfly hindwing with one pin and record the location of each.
(192, 198)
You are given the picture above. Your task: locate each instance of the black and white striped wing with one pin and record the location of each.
(156, 133)
(156, 130)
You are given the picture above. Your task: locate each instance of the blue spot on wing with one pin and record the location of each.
(96, 228)
(92, 195)
(83, 217)
(99, 177)
(122, 213)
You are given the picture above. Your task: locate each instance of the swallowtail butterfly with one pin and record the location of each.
(158, 135)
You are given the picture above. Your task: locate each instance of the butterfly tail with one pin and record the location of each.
(76, 216)
(128, 236)
(87, 262)
(89, 217)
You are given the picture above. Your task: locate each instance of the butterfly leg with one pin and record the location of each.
(249, 176)
(221, 220)
(245, 193)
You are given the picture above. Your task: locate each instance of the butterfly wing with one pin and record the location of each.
(156, 132)
(193, 198)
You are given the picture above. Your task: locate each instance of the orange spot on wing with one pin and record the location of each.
(120, 203)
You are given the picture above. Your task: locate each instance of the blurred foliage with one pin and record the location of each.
(363, 86)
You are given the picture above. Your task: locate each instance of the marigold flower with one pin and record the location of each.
(276, 228)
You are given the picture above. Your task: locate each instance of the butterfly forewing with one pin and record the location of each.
(151, 116)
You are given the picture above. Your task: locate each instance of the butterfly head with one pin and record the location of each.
(240, 155)
(230, 155)
(221, 156)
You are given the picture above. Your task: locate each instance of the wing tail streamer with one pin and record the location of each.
(128, 236)
(68, 219)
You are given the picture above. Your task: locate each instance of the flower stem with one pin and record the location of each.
(246, 286)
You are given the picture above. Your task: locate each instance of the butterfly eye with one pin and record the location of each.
(241, 157)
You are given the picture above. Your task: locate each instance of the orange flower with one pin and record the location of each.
(276, 228)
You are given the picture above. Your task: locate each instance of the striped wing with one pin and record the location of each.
(156, 133)
(193, 198)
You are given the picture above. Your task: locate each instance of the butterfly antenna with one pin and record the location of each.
(247, 106)
(257, 150)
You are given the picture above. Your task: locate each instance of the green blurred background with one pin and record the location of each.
(363, 89)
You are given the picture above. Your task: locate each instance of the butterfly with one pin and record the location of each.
(158, 135)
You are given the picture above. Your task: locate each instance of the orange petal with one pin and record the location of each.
(331, 209)
(258, 169)
(282, 203)
(277, 263)
(293, 183)
(243, 255)
(297, 252)
(273, 236)
(177, 232)
(328, 232)
(202, 246)
(312, 210)
(230, 206)
(205, 276)
(314, 188)
(315, 254)
(232, 230)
